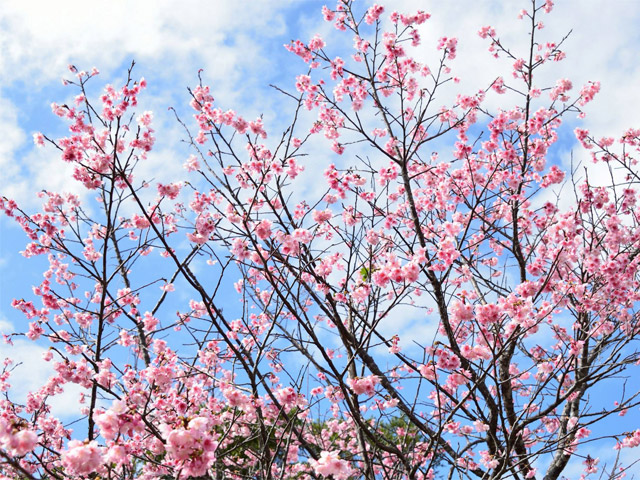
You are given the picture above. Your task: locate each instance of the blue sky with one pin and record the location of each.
(239, 46)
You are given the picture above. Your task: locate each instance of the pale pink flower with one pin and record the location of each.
(373, 13)
(21, 443)
(82, 458)
(263, 229)
(316, 43)
(38, 139)
(117, 454)
(330, 463)
(321, 216)
(364, 385)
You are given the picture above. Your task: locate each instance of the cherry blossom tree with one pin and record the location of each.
(294, 352)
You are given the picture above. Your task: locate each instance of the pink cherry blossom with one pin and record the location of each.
(331, 464)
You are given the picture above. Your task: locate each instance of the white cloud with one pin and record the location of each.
(12, 138)
(6, 327)
(30, 372)
(40, 38)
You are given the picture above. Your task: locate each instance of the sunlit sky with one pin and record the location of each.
(239, 46)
